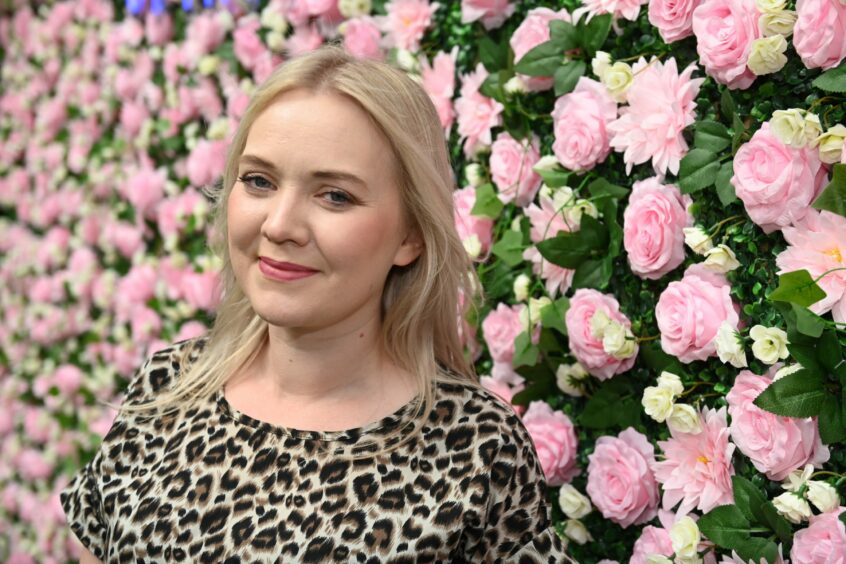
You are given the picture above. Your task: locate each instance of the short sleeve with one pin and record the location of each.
(83, 508)
(518, 525)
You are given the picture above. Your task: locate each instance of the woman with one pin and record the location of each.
(329, 414)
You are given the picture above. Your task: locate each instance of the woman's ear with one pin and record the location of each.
(410, 249)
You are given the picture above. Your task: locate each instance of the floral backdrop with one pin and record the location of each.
(654, 192)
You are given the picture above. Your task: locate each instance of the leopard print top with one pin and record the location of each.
(211, 484)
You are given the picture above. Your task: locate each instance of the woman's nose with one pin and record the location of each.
(286, 217)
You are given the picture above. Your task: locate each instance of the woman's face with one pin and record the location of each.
(316, 188)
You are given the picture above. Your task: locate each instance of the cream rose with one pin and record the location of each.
(830, 144)
(684, 419)
(573, 503)
(794, 508)
(672, 382)
(685, 536)
(697, 239)
(721, 259)
(767, 55)
(777, 23)
(657, 403)
(769, 344)
(823, 496)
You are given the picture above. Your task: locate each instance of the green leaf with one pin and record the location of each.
(487, 203)
(516, 123)
(796, 395)
(594, 33)
(833, 197)
(510, 248)
(493, 54)
(567, 76)
(737, 136)
(492, 87)
(601, 410)
(777, 522)
(541, 60)
(569, 250)
(593, 273)
(833, 80)
(725, 189)
(608, 208)
(711, 136)
(807, 322)
(748, 499)
(698, 170)
(563, 34)
(601, 187)
(797, 287)
(727, 106)
(756, 548)
(552, 315)
(831, 421)
(725, 525)
(657, 360)
(554, 178)
(828, 350)
(525, 352)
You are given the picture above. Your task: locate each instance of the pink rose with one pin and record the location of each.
(467, 224)
(822, 542)
(362, 37)
(690, 311)
(627, 9)
(533, 31)
(201, 289)
(816, 244)
(662, 103)
(146, 324)
(673, 18)
(406, 22)
(67, 379)
(476, 113)
(725, 30)
(580, 121)
(503, 390)
(775, 445)
(306, 38)
(776, 183)
(144, 189)
(584, 344)
(205, 163)
(652, 540)
(439, 82)
(653, 226)
(204, 34)
(158, 28)
(819, 34)
(620, 480)
(555, 441)
(546, 220)
(511, 165)
(248, 46)
(500, 328)
(492, 13)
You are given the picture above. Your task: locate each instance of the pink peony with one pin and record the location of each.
(628, 9)
(652, 540)
(499, 329)
(477, 114)
(406, 22)
(725, 30)
(697, 469)
(557, 278)
(775, 445)
(819, 34)
(492, 13)
(362, 38)
(776, 183)
(511, 165)
(439, 82)
(469, 225)
(585, 346)
(690, 311)
(580, 123)
(662, 103)
(533, 31)
(546, 220)
(620, 480)
(818, 244)
(673, 18)
(822, 542)
(555, 440)
(652, 228)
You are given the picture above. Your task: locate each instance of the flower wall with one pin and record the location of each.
(654, 192)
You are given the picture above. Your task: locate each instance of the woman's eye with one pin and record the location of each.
(251, 179)
(342, 198)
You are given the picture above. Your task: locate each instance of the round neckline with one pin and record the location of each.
(345, 435)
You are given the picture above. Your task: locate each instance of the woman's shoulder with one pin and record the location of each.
(161, 367)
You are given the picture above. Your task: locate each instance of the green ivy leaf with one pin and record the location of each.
(552, 315)
(725, 189)
(828, 350)
(711, 136)
(601, 187)
(831, 422)
(525, 352)
(698, 170)
(796, 395)
(541, 60)
(564, 35)
(487, 203)
(554, 178)
(725, 525)
(797, 287)
(807, 322)
(832, 80)
(567, 76)
(510, 248)
(659, 361)
(833, 197)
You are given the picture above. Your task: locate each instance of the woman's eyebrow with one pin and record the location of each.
(322, 174)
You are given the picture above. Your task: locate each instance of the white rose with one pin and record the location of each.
(473, 245)
(521, 287)
(532, 312)
(684, 419)
(786, 370)
(767, 55)
(721, 259)
(685, 537)
(574, 529)
(729, 347)
(473, 174)
(697, 239)
(813, 128)
(769, 343)
(574, 213)
(794, 508)
(672, 382)
(574, 504)
(600, 63)
(273, 19)
(617, 79)
(599, 321)
(515, 85)
(564, 197)
(569, 378)
(658, 559)
(830, 144)
(618, 341)
(777, 23)
(407, 61)
(546, 163)
(771, 5)
(657, 403)
(797, 478)
(208, 65)
(276, 41)
(823, 496)
(790, 128)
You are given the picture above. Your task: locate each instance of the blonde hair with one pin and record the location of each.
(420, 301)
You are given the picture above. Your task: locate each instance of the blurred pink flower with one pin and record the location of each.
(818, 244)
(246, 42)
(725, 30)
(204, 34)
(555, 441)
(546, 220)
(144, 189)
(305, 38)
(136, 287)
(189, 330)
(628, 9)
(662, 104)
(477, 114)
(492, 13)
(652, 540)
(581, 121)
(439, 82)
(467, 224)
(201, 289)
(673, 18)
(158, 28)
(697, 469)
(823, 541)
(819, 34)
(206, 161)
(67, 378)
(531, 32)
(406, 21)
(32, 465)
(362, 38)
(132, 116)
(500, 328)
(511, 165)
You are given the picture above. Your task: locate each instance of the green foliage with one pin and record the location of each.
(833, 80)
(833, 197)
(797, 287)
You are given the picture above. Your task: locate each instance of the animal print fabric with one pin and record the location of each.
(211, 484)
